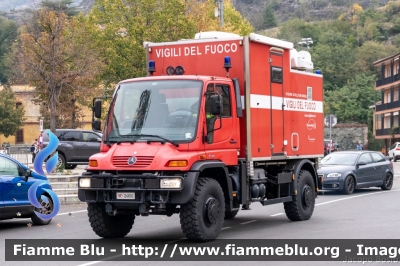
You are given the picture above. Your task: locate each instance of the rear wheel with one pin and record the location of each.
(302, 206)
(388, 182)
(349, 185)
(107, 226)
(202, 218)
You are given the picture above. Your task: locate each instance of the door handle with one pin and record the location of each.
(232, 141)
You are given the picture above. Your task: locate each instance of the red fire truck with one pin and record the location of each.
(220, 122)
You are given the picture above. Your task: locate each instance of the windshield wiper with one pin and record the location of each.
(153, 136)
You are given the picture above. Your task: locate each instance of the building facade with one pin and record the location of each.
(386, 114)
(31, 129)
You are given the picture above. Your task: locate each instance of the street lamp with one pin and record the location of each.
(306, 41)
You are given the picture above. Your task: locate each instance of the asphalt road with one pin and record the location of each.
(367, 214)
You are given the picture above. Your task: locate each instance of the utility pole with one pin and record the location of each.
(219, 11)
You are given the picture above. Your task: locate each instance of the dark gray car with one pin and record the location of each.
(76, 145)
(347, 170)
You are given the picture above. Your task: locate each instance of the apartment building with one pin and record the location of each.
(386, 115)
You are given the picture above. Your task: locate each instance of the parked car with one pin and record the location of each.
(76, 145)
(394, 151)
(15, 181)
(347, 170)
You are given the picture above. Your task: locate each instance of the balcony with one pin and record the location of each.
(387, 106)
(387, 80)
(387, 131)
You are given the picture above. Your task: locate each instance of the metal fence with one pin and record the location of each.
(19, 152)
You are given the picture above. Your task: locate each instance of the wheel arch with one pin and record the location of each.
(213, 169)
(298, 165)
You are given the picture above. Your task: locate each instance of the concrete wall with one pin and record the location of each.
(348, 135)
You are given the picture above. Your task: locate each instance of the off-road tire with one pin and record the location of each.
(232, 214)
(46, 209)
(108, 226)
(302, 206)
(349, 185)
(203, 217)
(388, 182)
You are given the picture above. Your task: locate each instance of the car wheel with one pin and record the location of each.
(388, 182)
(61, 160)
(349, 185)
(47, 208)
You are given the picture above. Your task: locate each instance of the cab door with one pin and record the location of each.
(223, 140)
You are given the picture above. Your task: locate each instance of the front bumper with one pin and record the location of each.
(330, 183)
(143, 188)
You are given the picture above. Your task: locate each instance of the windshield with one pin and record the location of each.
(154, 110)
(337, 158)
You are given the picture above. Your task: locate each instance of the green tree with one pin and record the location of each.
(335, 57)
(8, 34)
(63, 6)
(122, 26)
(269, 17)
(351, 102)
(12, 118)
(56, 57)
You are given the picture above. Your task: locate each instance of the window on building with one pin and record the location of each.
(396, 119)
(388, 97)
(396, 95)
(386, 121)
(378, 121)
(388, 72)
(18, 104)
(19, 136)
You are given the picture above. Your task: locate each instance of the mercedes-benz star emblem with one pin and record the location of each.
(132, 160)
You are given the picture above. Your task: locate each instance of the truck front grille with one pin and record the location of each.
(141, 161)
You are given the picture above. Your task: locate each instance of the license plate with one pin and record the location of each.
(127, 196)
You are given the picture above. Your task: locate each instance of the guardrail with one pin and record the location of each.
(19, 152)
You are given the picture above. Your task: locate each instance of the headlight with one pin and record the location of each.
(84, 182)
(171, 183)
(334, 175)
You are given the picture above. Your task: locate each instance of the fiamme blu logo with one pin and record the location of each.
(50, 165)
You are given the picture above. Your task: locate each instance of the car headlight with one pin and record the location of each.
(84, 182)
(171, 183)
(334, 175)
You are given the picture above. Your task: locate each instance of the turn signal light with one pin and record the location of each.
(93, 163)
(182, 163)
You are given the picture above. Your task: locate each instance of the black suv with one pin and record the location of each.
(76, 145)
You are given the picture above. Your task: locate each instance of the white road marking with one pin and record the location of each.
(357, 196)
(252, 221)
(277, 214)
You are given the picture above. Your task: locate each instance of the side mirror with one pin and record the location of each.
(97, 108)
(216, 104)
(361, 163)
(96, 125)
(28, 173)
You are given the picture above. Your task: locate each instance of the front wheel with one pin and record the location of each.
(107, 226)
(388, 182)
(47, 208)
(349, 185)
(302, 206)
(202, 218)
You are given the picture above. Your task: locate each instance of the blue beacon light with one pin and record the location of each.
(152, 66)
(227, 65)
